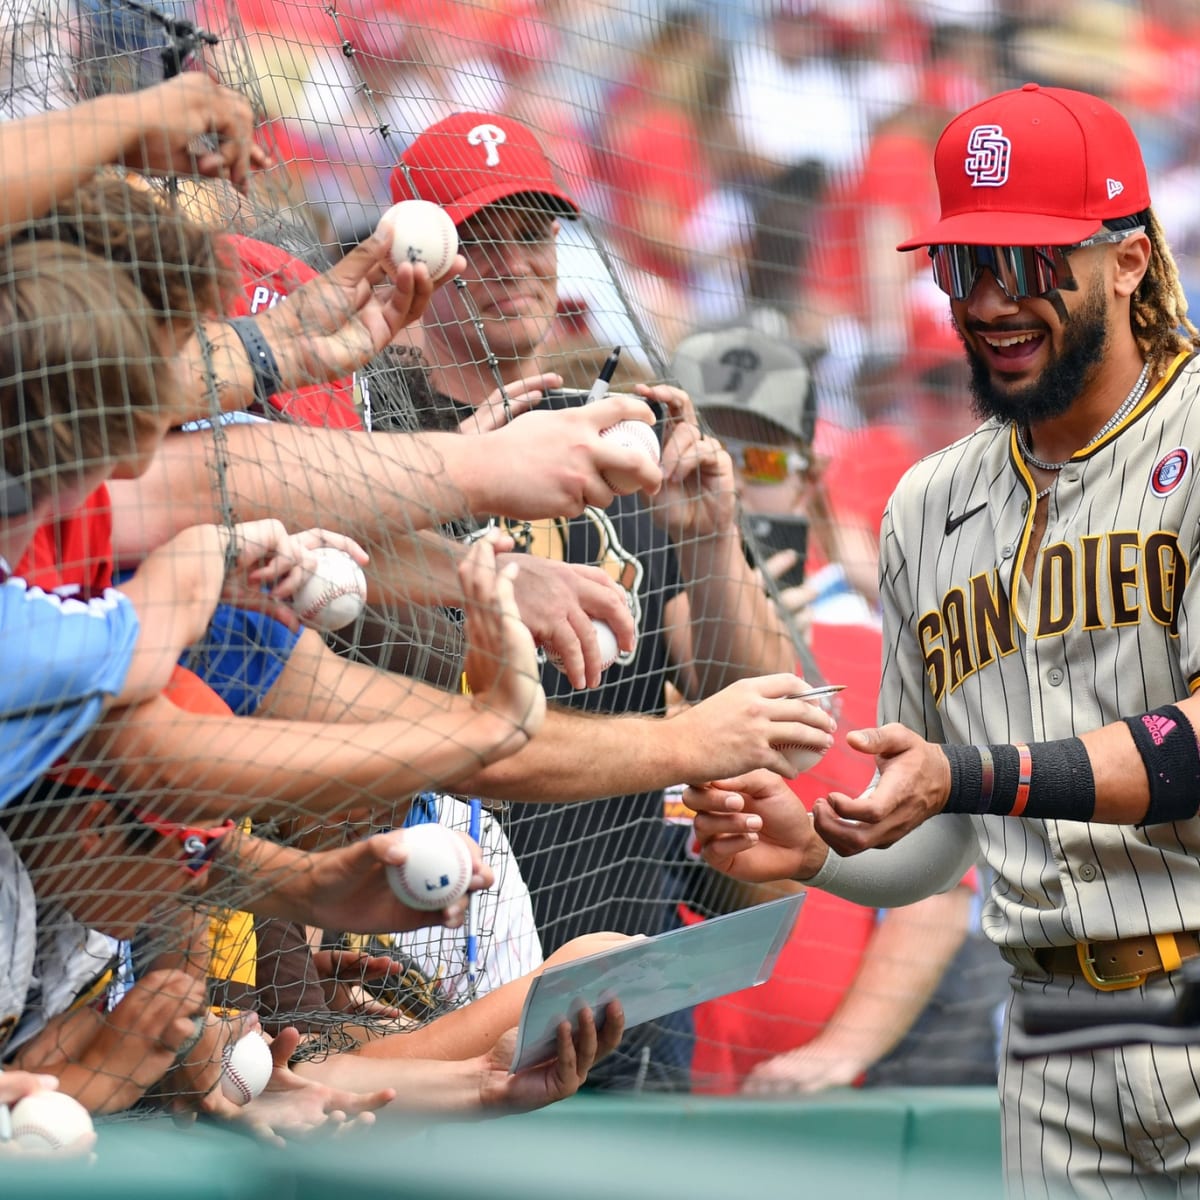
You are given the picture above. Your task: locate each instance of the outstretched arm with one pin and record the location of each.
(723, 626)
(48, 155)
(754, 828)
(379, 486)
(1103, 776)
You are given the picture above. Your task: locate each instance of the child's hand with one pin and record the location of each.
(273, 564)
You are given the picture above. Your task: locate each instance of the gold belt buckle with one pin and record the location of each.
(1111, 983)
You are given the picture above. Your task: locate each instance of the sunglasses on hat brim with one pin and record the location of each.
(1021, 272)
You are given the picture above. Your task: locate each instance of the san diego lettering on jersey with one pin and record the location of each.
(1097, 581)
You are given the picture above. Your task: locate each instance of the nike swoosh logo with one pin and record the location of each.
(952, 523)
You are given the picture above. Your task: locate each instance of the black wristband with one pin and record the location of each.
(1062, 784)
(1167, 744)
(267, 381)
(1049, 780)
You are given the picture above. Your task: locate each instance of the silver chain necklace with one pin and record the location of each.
(1127, 406)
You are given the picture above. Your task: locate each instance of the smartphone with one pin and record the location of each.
(662, 415)
(767, 534)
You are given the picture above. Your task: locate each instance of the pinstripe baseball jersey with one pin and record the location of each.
(1108, 627)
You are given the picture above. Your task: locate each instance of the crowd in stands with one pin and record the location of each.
(746, 170)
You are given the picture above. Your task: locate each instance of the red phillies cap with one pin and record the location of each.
(1035, 167)
(470, 160)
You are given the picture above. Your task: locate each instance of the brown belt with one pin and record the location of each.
(1123, 963)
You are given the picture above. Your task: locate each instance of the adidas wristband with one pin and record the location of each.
(1167, 745)
(1051, 781)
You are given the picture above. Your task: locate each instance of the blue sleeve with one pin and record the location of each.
(62, 658)
(241, 656)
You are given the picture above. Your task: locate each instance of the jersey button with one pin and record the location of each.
(1006, 552)
(1054, 676)
(1087, 872)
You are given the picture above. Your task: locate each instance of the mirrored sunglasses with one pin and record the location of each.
(764, 464)
(1022, 272)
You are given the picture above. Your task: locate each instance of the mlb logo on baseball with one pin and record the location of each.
(988, 154)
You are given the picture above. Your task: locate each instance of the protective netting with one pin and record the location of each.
(742, 174)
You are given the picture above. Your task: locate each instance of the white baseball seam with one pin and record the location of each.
(239, 1082)
(42, 1131)
(331, 593)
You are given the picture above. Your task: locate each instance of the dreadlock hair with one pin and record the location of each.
(1158, 310)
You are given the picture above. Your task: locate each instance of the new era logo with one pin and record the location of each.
(1115, 187)
(1158, 727)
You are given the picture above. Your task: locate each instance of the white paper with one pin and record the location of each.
(657, 975)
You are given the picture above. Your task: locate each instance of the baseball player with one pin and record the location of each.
(1039, 647)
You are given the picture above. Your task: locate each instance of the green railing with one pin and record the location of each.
(886, 1144)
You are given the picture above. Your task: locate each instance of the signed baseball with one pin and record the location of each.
(633, 435)
(802, 758)
(49, 1121)
(334, 594)
(421, 232)
(246, 1068)
(437, 871)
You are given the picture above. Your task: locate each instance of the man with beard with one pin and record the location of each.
(1041, 659)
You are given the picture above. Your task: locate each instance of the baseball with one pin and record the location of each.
(608, 645)
(802, 758)
(246, 1068)
(49, 1121)
(633, 435)
(334, 594)
(421, 232)
(437, 871)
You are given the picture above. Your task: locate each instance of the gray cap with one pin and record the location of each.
(748, 371)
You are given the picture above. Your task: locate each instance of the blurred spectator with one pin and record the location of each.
(818, 62)
(668, 148)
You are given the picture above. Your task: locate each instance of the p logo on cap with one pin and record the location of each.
(472, 159)
(490, 136)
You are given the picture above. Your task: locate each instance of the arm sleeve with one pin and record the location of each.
(62, 658)
(933, 858)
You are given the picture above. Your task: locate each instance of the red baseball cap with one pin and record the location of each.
(1035, 167)
(472, 159)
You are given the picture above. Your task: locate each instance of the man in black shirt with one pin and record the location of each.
(702, 619)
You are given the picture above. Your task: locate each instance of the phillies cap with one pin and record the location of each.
(1035, 167)
(744, 370)
(472, 159)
